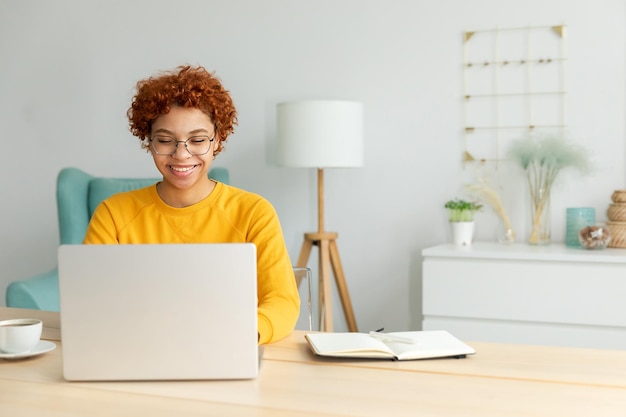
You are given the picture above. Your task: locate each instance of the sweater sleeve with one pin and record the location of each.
(278, 299)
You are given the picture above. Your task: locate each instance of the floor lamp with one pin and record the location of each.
(322, 134)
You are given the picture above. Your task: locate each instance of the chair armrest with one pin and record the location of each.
(40, 292)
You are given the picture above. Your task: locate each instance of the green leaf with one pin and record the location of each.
(462, 210)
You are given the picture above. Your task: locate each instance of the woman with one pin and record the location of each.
(183, 118)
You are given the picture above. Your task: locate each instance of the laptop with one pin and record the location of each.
(158, 311)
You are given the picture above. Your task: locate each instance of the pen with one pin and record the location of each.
(390, 337)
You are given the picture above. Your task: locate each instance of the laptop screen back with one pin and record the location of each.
(158, 312)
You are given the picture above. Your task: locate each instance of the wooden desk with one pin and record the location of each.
(500, 380)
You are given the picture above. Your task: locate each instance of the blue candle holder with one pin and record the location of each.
(578, 218)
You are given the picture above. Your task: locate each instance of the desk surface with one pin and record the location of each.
(500, 380)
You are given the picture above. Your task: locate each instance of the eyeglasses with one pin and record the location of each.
(167, 145)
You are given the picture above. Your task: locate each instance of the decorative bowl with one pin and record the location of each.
(594, 237)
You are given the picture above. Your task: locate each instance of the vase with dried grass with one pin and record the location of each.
(488, 195)
(542, 160)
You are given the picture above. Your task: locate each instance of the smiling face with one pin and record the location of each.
(185, 180)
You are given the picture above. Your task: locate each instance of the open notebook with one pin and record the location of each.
(396, 346)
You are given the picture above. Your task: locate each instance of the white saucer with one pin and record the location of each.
(40, 348)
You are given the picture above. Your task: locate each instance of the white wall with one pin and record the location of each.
(69, 67)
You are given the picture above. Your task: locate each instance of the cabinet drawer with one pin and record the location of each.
(533, 291)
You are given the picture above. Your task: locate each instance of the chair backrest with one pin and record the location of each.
(79, 193)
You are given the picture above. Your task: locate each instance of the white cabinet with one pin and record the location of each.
(548, 295)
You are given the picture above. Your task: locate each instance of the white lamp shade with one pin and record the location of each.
(320, 134)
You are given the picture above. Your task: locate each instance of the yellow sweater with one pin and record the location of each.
(228, 214)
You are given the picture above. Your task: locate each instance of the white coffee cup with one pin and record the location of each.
(19, 335)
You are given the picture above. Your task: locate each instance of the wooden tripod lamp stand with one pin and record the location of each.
(322, 134)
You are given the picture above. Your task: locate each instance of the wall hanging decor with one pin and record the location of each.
(514, 84)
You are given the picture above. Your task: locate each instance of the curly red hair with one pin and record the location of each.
(186, 86)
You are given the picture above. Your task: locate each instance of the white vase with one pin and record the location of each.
(462, 233)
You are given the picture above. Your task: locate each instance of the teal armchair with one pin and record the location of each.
(78, 194)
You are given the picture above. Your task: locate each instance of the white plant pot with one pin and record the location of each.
(462, 233)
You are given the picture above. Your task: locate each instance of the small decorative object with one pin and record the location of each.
(617, 209)
(576, 219)
(490, 197)
(617, 219)
(619, 196)
(618, 234)
(594, 237)
(542, 160)
(461, 217)
(617, 212)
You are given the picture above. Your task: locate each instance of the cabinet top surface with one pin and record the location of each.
(523, 251)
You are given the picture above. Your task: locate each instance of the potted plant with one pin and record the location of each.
(461, 216)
